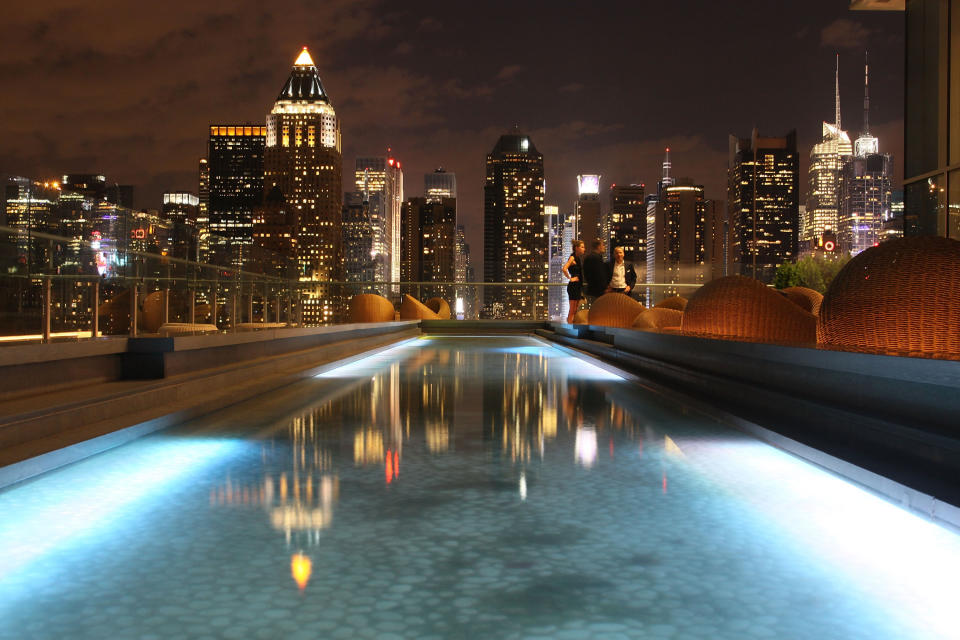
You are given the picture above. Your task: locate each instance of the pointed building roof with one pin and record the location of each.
(304, 81)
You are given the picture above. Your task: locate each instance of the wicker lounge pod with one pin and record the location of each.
(677, 303)
(808, 299)
(413, 309)
(614, 310)
(739, 308)
(369, 307)
(582, 316)
(899, 298)
(439, 306)
(659, 319)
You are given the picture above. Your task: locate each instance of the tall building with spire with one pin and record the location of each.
(514, 234)
(866, 188)
(826, 161)
(303, 159)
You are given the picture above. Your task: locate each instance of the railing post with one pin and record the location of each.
(47, 307)
(166, 304)
(290, 309)
(250, 305)
(277, 309)
(95, 330)
(192, 318)
(213, 303)
(134, 308)
(233, 310)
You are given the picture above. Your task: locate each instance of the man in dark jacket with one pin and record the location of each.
(595, 273)
(623, 277)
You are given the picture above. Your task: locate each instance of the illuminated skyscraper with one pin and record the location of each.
(303, 159)
(628, 222)
(235, 173)
(865, 187)
(515, 238)
(439, 184)
(764, 222)
(678, 247)
(589, 214)
(380, 179)
(361, 261)
(826, 161)
(179, 213)
(429, 243)
(203, 209)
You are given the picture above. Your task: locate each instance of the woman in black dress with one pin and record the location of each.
(573, 269)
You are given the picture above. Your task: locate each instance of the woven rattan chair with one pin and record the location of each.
(677, 303)
(614, 310)
(369, 307)
(658, 319)
(899, 298)
(582, 316)
(413, 309)
(739, 308)
(439, 306)
(807, 299)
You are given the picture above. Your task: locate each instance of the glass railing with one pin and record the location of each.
(56, 288)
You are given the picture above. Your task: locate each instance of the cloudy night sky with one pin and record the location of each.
(129, 89)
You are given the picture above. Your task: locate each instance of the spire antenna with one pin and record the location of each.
(866, 93)
(837, 85)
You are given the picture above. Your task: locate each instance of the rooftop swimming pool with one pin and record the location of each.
(454, 487)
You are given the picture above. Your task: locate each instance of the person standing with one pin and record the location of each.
(596, 273)
(623, 277)
(573, 269)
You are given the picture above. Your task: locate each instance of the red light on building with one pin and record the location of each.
(829, 245)
(390, 162)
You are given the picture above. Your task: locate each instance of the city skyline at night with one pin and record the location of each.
(411, 78)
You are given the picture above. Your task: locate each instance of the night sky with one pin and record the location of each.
(128, 89)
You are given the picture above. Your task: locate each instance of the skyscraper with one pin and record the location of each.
(361, 260)
(235, 173)
(826, 161)
(429, 242)
(179, 212)
(380, 179)
(628, 224)
(439, 184)
(515, 240)
(559, 250)
(203, 210)
(765, 221)
(303, 159)
(678, 247)
(589, 211)
(865, 187)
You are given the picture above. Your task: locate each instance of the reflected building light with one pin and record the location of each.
(671, 448)
(585, 446)
(367, 447)
(523, 486)
(438, 437)
(300, 568)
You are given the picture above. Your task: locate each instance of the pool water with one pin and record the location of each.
(490, 487)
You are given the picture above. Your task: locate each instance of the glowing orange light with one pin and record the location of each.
(664, 481)
(304, 59)
(389, 469)
(300, 568)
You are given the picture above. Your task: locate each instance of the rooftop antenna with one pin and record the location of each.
(837, 83)
(866, 93)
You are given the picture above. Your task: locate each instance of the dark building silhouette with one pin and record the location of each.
(275, 236)
(515, 238)
(235, 190)
(428, 241)
(765, 223)
(628, 224)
